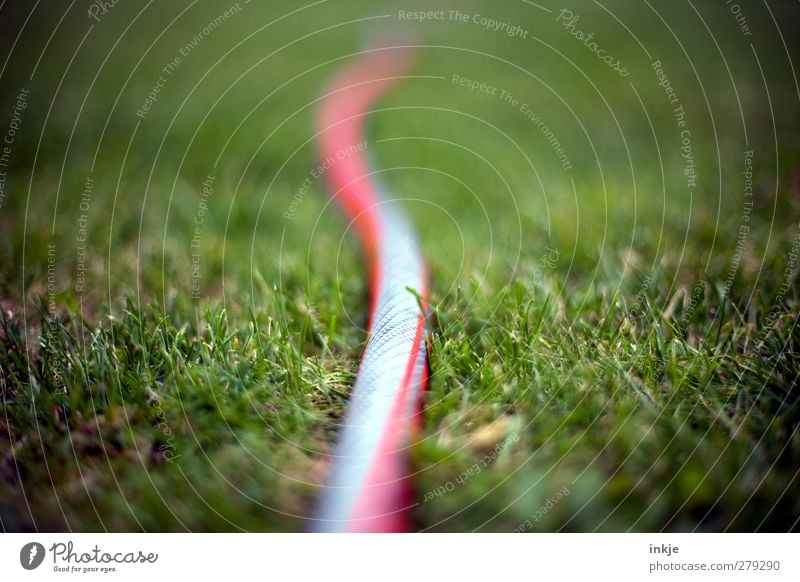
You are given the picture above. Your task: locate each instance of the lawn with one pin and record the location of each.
(609, 206)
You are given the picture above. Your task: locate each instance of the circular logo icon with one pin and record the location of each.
(31, 555)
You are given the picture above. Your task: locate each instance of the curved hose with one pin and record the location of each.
(368, 488)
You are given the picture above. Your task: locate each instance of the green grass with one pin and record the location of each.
(582, 338)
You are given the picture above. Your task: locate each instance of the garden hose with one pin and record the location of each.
(368, 489)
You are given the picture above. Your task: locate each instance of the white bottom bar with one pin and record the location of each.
(328, 558)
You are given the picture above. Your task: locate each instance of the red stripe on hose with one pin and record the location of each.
(385, 491)
(387, 478)
(340, 124)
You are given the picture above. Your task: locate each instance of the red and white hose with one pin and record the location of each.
(368, 489)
